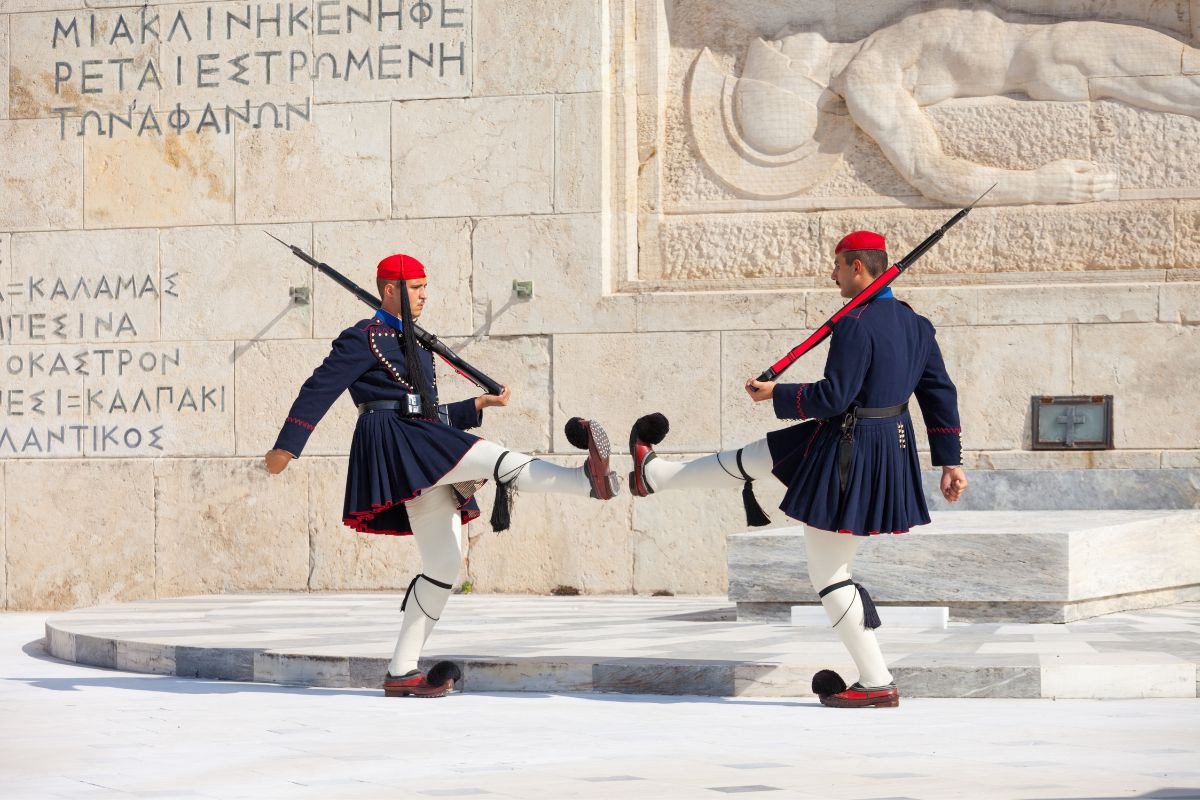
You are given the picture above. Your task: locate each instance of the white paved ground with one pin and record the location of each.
(70, 731)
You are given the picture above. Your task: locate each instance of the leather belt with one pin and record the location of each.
(410, 406)
(881, 413)
(846, 443)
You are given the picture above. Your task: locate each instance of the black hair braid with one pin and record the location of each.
(412, 359)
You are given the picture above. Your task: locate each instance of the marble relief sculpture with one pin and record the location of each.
(785, 123)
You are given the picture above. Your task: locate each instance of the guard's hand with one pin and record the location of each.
(277, 460)
(954, 481)
(489, 400)
(760, 390)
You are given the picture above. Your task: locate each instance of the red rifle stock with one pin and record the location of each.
(878, 285)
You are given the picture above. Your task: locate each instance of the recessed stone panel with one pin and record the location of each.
(161, 399)
(250, 274)
(87, 286)
(1181, 134)
(968, 247)
(1187, 232)
(472, 157)
(425, 51)
(1150, 370)
(343, 559)
(227, 526)
(61, 560)
(538, 47)
(1012, 134)
(994, 391)
(1110, 236)
(578, 152)
(562, 256)
(355, 248)
(80, 62)
(619, 377)
(555, 541)
(524, 365)
(269, 376)
(717, 247)
(1130, 142)
(42, 175)
(158, 180)
(332, 167)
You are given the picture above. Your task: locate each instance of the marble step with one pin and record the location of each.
(1015, 566)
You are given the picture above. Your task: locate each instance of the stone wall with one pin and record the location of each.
(151, 346)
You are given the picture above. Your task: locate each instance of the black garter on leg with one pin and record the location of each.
(870, 614)
(409, 593)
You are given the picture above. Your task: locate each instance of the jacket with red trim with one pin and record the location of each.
(880, 354)
(353, 364)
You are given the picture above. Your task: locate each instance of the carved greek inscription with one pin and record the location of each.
(75, 380)
(226, 50)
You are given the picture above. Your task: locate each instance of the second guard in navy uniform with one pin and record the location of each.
(851, 466)
(413, 467)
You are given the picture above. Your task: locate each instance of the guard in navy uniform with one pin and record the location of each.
(851, 466)
(413, 467)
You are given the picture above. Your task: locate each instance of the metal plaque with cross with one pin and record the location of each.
(1081, 422)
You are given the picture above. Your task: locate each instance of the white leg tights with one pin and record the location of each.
(717, 471)
(829, 558)
(437, 527)
(524, 473)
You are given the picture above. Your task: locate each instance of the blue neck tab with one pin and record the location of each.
(389, 319)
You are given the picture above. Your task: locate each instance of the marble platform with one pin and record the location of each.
(640, 645)
(1002, 566)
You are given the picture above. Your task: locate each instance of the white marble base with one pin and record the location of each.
(1021, 566)
(898, 616)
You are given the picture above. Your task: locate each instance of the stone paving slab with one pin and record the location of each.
(653, 645)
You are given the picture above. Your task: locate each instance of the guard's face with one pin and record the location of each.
(416, 296)
(843, 276)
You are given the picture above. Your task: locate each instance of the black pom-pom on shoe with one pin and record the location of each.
(827, 682)
(576, 432)
(442, 673)
(652, 428)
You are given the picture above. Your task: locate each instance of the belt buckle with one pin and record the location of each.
(412, 404)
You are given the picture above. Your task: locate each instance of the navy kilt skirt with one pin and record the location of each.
(883, 491)
(392, 460)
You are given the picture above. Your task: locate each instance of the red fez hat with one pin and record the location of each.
(400, 268)
(861, 240)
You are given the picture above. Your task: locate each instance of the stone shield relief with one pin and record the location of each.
(775, 131)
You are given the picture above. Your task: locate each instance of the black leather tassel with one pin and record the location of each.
(502, 508)
(870, 615)
(755, 516)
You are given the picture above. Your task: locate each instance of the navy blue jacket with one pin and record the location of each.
(368, 359)
(880, 354)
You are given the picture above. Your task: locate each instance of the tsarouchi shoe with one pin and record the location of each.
(590, 434)
(439, 683)
(859, 696)
(646, 432)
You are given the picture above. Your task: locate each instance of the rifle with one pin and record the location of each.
(423, 336)
(876, 286)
